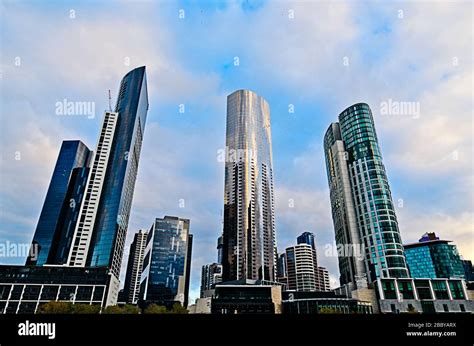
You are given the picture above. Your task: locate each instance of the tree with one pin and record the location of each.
(326, 310)
(54, 307)
(126, 309)
(155, 309)
(113, 309)
(130, 309)
(411, 310)
(178, 309)
(86, 308)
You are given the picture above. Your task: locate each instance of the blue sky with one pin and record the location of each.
(318, 56)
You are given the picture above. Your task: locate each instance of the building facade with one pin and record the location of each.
(61, 202)
(423, 295)
(433, 258)
(113, 212)
(24, 288)
(211, 274)
(301, 268)
(322, 279)
(361, 202)
(134, 267)
(249, 246)
(167, 264)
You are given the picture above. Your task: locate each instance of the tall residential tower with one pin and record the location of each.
(249, 249)
(362, 208)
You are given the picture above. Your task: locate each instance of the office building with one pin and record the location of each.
(468, 270)
(423, 295)
(306, 238)
(59, 212)
(433, 258)
(282, 270)
(249, 247)
(362, 207)
(24, 288)
(301, 268)
(211, 274)
(323, 302)
(113, 211)
(322, 279)
(134, 267)
(166, 268)
(246, 297)
(220, 246)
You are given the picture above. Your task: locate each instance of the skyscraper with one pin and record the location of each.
(322, 279)
(211, 274)
(306, 238)
(433, 258)
(100, 235)
(361, 201)
(321, 274)
(88, 210)
(135, 267)
(301, 268)
(166, 268)
(61, 202)
(249, 249)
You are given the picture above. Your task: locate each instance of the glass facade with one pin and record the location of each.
(371, 201)
(68, 217)
(434, 259)
(306, 238)
(249, 249)
(167, 263)
(113, 213)
(55, 216)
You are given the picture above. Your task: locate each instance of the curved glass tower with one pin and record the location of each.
(110, 229)
(249, 250)
(361, 199)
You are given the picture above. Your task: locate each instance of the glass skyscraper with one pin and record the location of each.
(167, 264)
(306, 238)
(61, 203)
(362, 207)
(433, 258)
(249, 249)
(110, 230)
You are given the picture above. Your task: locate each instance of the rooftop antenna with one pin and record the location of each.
(110, 102)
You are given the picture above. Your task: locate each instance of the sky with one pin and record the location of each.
(309, 60)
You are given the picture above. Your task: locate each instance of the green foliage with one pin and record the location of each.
(130, 309)
(155, 309)
(411, 310)
(326, 310)
(126, 309)
(178, 309)
(54, 307)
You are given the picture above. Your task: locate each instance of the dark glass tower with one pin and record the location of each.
(249, 247)
(113, 212)
(61, 204)
(306, 238)
(361, 200)
(167, 265)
